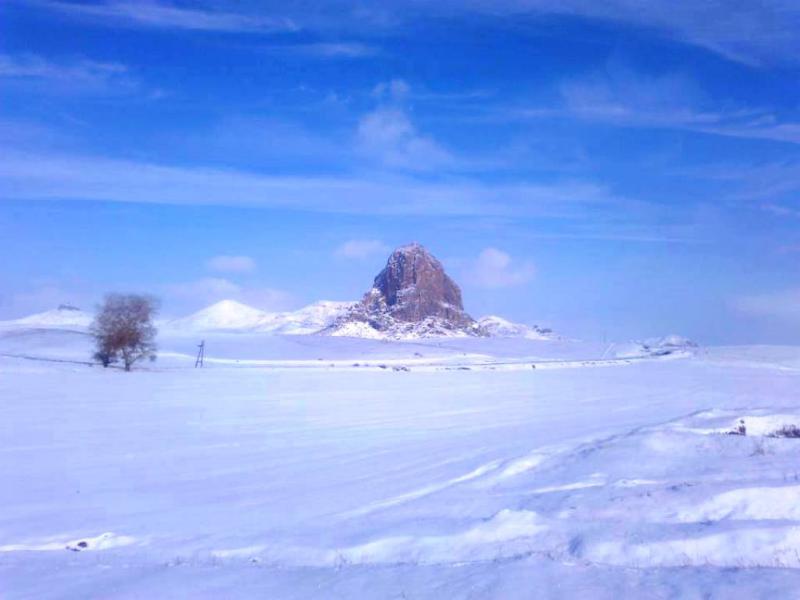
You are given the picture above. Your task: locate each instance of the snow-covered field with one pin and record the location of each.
(323, 467)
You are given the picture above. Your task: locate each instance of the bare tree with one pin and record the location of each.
(123, 329)
(104, 354)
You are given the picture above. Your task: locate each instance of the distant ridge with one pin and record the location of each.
(65, 316)
(230, 315)
(323, 317)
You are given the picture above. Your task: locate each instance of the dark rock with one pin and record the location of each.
(412, 297)
(413, 286)
(787, 431)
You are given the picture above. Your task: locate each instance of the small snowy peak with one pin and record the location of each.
(224, 315)
(65, 316)
(499, 327)
(230, 315)
(307, 320)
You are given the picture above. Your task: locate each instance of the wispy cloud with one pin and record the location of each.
(781, 210)
(496, 269)
(394, 90)
(75, 75)
(624, 98)
(326, 50)
(771, 185)
(751, 33)
(44, 176)
(232, 264)
(361, 249)
(166, 15)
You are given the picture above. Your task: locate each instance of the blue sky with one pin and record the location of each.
(619, 169)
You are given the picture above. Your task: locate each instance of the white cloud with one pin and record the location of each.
(783, 305)
(165, 15)
(361, 249)
(387, 136)
(232, 264)
(495, 269)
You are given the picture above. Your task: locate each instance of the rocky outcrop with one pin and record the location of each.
(411, 297)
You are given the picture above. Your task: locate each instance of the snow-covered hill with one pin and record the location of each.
(309, 319)
(230, 315)
(63, 317)
(224, 315)
(500, 327)
(326, 317)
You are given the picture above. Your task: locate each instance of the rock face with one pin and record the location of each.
(411, 297)
(413, 286)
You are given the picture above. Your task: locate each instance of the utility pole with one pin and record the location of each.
(201, 354)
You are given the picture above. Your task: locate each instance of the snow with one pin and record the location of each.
(61, 317)
(661, 346)
(357, 329)
(104, 541)
(308, 320)
(484, 468)
(226, 314)
(233, 316)
(230, 315)
(745, 504)
(500, 327)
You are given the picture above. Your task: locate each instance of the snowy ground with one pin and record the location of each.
(283, 470)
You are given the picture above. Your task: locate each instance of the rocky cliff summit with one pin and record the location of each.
(411, 297)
